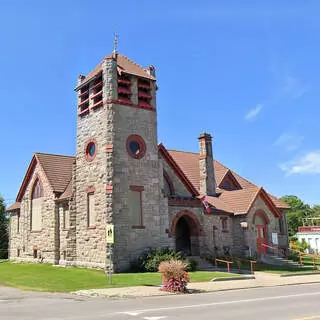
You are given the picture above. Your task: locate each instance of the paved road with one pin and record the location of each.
(288, 302)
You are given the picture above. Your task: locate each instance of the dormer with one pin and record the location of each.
(229, 182)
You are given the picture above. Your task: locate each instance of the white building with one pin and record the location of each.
(311, 235)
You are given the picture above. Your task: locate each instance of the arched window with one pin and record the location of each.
(36, 206)
(167, 185)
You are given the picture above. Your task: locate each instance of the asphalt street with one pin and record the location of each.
(295, 302)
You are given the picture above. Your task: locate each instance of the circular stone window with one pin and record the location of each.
(90, 149)
(136, 146)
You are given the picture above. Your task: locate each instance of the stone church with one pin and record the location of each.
(149, 195)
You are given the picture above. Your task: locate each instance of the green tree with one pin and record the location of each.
(4, 230)
(298, 210)
(316, 211)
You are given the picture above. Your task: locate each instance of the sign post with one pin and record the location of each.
(110, 241)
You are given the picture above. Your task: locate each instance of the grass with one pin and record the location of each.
(307, 262)
(44, 277)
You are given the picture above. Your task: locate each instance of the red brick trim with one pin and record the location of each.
(137, 188)
(87, 156)
(109, 189)
(262, 215)
(142, 144)
(97, 105)
(192, 220)
(36, 179)
(83, 112)
(90, 189)
(109, 148)
(264, 196)
(203, 156)
(128, 105)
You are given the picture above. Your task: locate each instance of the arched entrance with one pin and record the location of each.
(186, 230)
(260, 222)
(183, 240)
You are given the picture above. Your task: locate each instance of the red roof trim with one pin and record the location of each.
(174, 166)
(26, 179)
(261, 192)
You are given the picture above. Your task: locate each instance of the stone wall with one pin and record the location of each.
(212, 239)
(273, 226)
(131, 240)
(94, 176)
(26, 240)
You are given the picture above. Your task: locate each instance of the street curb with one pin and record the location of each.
(245, 277)
(299, 274)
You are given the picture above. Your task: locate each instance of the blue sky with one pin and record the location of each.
(247, 73)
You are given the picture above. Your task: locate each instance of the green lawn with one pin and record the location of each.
(44, 277)
(282, 269)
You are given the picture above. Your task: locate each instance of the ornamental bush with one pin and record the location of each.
(150, 260)
(174, 275)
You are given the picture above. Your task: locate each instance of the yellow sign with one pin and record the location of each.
(110, 233)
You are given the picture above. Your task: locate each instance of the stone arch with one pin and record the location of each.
(262, 215)
(186, 231)
(192, 220)
(260, 221)
(36, 189)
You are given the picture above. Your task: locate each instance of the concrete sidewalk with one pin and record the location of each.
(262, 279)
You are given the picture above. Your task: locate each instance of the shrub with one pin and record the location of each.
(191, 264)
(175, 277)
(151, 259)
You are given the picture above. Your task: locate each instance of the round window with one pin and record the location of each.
(136, 146)
(90, 149)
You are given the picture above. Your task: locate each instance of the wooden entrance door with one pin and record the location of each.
(261, 238)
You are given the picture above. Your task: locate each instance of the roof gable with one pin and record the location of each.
(189, 164)
(56, 168)
(124, 64)
(176, 168)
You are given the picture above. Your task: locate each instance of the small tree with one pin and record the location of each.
(4, 231)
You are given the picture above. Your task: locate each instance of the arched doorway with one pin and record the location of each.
(261, 221)
(183, 241)
(186, 230)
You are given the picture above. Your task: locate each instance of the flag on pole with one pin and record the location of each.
(205, 203)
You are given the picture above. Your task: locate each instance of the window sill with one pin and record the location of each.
(65, 229)
(138, 227)
(93, 227)
(35, 231)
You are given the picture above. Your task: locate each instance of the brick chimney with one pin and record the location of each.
(207, 177)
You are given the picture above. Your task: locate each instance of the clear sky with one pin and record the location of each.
(245, 71)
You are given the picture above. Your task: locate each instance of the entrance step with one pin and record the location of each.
(280, 261)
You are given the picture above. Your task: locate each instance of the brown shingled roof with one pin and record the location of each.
(238, 200)
(189, 163)
(124, 65)
(14, 206)
(58, 169)
(68, 192)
